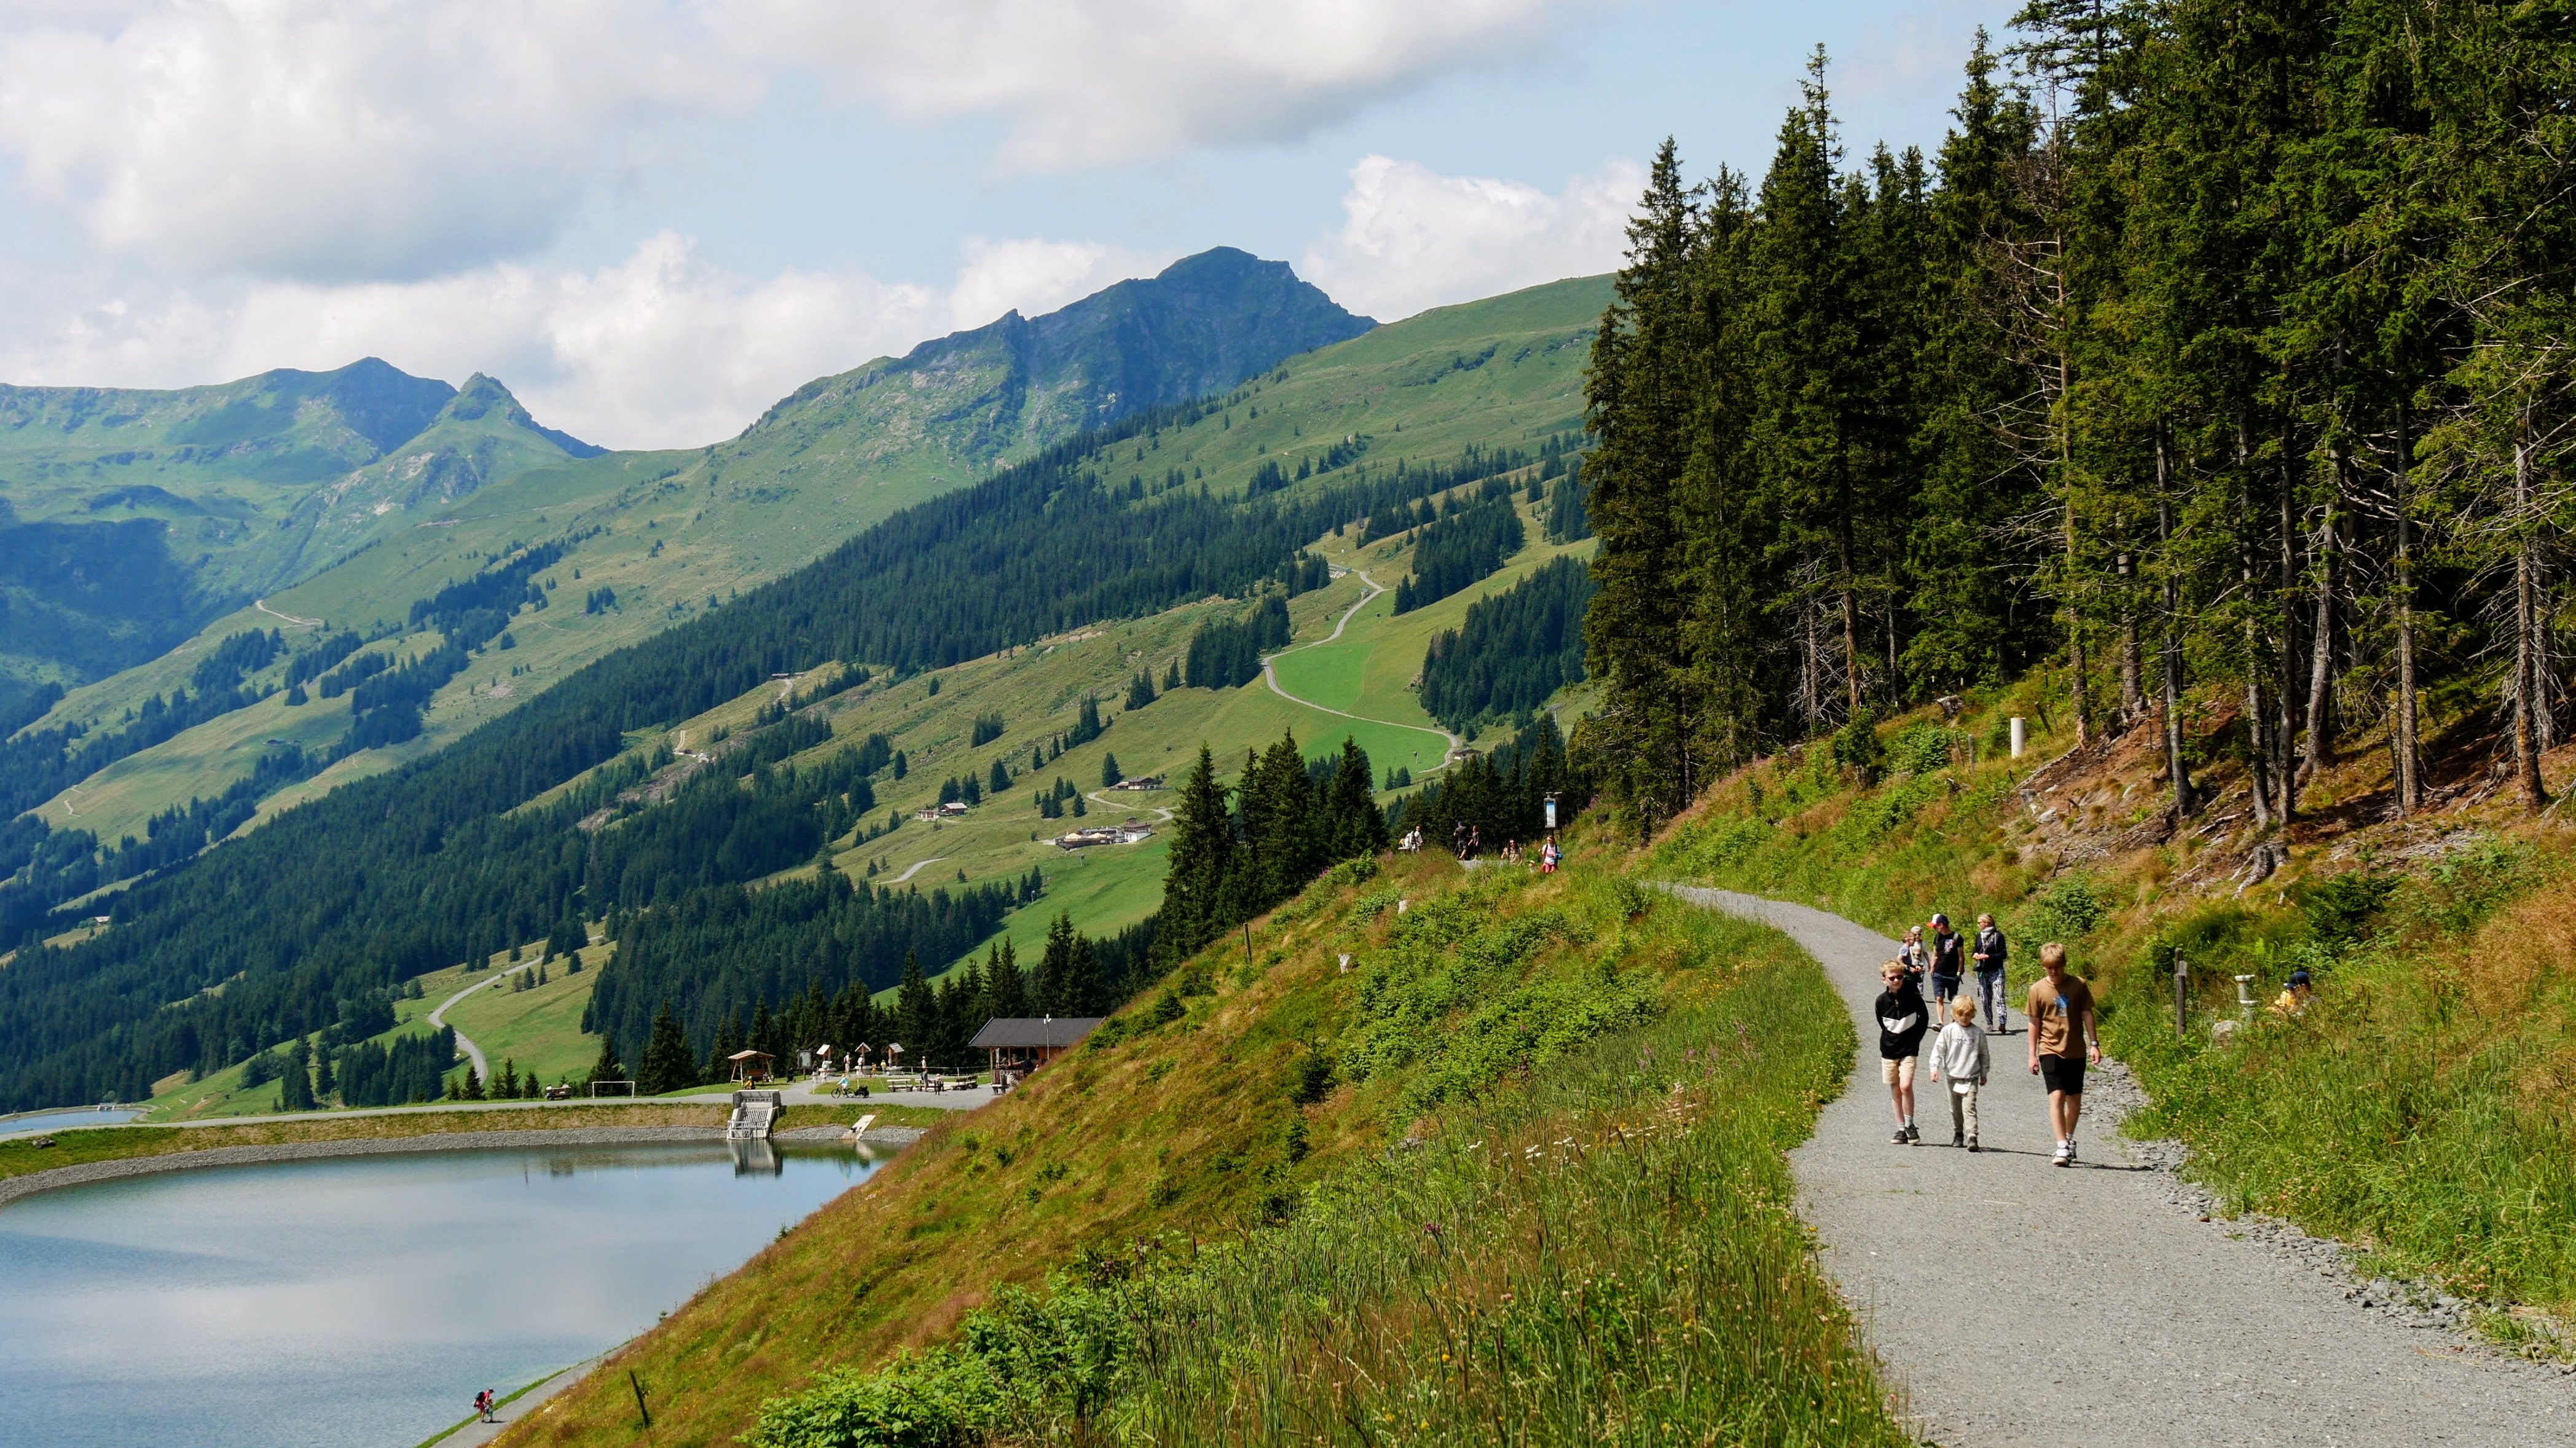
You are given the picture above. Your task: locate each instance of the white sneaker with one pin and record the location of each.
(2070, 1148)
(2065, 1153)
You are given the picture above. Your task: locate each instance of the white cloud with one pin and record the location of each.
(1412, 238)
(338, 140)
(331, 141)
(1093, 82)
(664, 348)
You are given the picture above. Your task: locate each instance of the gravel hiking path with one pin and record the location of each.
(2017, 1303)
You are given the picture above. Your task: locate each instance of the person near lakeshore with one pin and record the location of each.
(1900, 1040)
(1959, 1056)
(1989, 955)
(483, 1405)
(1949, 961)
(2063, 1041)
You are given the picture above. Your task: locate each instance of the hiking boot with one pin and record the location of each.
(1972, 1144)
(1958, 1138)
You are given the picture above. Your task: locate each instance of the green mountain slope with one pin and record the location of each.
(669, 535)
(439, 864)
(132, 518)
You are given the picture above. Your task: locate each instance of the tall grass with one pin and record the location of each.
(1605, 1256)
(1587, 1240)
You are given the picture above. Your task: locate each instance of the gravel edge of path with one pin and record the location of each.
(98, 1171)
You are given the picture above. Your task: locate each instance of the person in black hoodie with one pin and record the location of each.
(1901, 1020)
(1990, 955)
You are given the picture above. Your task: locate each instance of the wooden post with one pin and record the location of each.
(637, 1384)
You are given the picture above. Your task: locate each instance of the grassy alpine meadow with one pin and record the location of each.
(2418, 1108)
(1514, 1175)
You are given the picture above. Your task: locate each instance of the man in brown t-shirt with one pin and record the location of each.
(2062, 1042)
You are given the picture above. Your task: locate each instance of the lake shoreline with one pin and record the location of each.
(81, 1173)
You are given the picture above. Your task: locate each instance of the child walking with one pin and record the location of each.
(1960, 1056)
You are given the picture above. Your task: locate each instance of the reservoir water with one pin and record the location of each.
(67, 1118)
(363, 1300)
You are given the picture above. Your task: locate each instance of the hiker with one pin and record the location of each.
(1916, 960)
(1900, 1040)
(1989, 956)
(2294, 996)
(2062, 1043)
(1949, 960)
(1960, 1056)
(1548, 856)
(483, 1406)
(1458, 839)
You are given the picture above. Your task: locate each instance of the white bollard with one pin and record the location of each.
(2020, 735)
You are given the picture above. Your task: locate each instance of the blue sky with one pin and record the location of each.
(653, 217)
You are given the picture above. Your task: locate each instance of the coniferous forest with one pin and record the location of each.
(1512, 650)
(2217, 368)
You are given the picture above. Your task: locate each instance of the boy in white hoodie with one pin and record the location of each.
(1960, 1056)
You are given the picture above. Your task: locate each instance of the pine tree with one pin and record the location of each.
(668, 1065)
(1109, 773)
(1202, 851)
(915, 1010)
(607, 1067)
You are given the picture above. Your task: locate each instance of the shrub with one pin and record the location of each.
(1857, 747)
(1926, 748)
(2069, 911)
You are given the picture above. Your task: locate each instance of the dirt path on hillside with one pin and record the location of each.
(465, 1043)
(1271, 676)
(2021, 1304)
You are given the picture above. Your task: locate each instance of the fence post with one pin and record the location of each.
(2182, 998)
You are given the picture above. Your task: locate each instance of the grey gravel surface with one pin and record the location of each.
(2015, 1302)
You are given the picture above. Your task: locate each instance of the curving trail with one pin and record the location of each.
(1449, 741)
(473, 1052)
(917, 868)
(287, 618)
(2019, 1304)
(1102, 797)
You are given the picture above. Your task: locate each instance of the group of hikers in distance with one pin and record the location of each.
(2060, 1021)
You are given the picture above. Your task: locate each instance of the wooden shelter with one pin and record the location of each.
(1020, 1044)
(750, 1066)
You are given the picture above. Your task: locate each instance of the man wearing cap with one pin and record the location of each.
(2062, 1043)
(2294, 997)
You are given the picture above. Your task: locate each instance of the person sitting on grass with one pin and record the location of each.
(2062, 1043)
(2295, 996)
(1960, 1055)
(1900, 1040)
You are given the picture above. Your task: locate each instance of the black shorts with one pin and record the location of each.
(2063, 1073)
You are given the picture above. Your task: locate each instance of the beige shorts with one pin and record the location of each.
(1899, 1072)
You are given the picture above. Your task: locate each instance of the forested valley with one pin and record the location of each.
(2217, 369)
(312, 922)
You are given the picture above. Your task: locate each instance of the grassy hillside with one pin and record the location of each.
(134, 518)
(1526, 1115)
(2416, 1109)
(675, 534)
